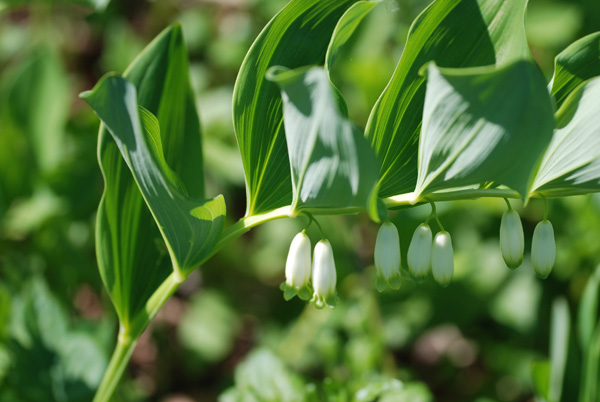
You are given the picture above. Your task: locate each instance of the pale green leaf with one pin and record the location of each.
(571, 164)
(297, 36)
(574, 65)
(559, 347)
(453, 33)
(471, 134)
(332, 164)
(587, 314)
(191, 227)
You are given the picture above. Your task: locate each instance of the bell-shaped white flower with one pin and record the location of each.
(387, 257)
(543, 249)
(324, 275)
(298, 269)
(419, 253)
(512, 239)
(442, 258)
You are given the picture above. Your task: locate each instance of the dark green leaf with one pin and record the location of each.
(471, 134)
(452, 33)
(191, 227)
(132, 256)
(297, 36)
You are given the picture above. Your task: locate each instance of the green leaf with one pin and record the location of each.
(297, 36)
(471, 135)
(559, 347)
(345, 28)
(262, 376)
(191, 227)
(574, 65)
(587, 314)
(568, 166)
(332, 164)
(132, 257)
(453, 33)
(540, 374)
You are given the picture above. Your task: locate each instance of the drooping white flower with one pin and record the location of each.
(543, 249)
(387, 257)
(512, 239)
(298, 269)
(442, 258)
(419, 253)
(324, 275)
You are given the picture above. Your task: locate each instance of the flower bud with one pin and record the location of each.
(387, 256)
(324, 275)
(512, 241)
(543, 249)
(419, 253)
(297, 269)
(442, 258)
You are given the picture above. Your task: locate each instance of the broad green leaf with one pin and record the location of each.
(332, 164)
(559, 347)
(478, 127)
(345, 28)
(571, 163)
(540, 374)
(587, 314)
(132, 257)
(297, 36)
(574, 65)
(453, 33)
(191, 227)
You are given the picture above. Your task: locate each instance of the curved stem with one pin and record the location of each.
(508, 204)
(115, 369)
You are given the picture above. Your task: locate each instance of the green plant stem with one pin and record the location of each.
(115, 369)
(128, 336)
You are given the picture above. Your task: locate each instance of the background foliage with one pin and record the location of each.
(228, 330)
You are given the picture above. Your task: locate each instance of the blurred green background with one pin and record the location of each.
(228, 333)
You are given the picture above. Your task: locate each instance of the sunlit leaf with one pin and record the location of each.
(132, 256)
(574, 65)
(190, 226)
(472, 135)
(452, 33)
(332, 163)
(297, 36)
(571, 162)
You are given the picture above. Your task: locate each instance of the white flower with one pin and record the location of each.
(543, 249)
(298, 269)
(387, 256)
(442, 258)
(419, 253)
(324, 275)
(512, 240)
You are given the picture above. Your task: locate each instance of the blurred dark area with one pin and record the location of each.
(228, 334)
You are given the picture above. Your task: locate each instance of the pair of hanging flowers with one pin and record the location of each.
(300, 269)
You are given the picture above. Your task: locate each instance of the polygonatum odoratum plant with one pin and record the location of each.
(466, 114)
